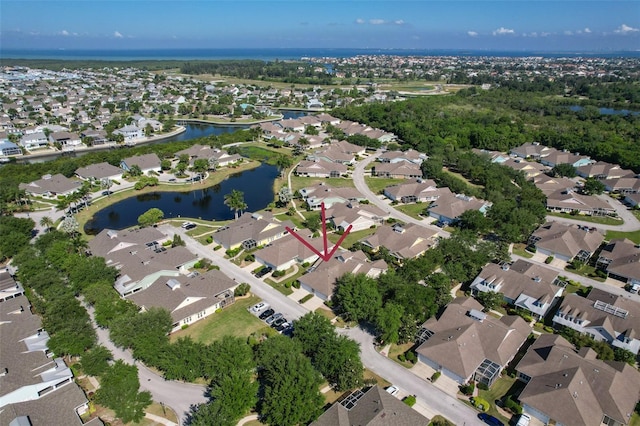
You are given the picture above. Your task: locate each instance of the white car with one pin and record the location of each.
(259, 307)
(393, 390)
(523, 420)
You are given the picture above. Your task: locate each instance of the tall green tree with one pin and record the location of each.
(119, 391)
(235, 201)
(150, 217)
(357, 297)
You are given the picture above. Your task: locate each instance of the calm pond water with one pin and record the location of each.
(205, 203)
(607, 111)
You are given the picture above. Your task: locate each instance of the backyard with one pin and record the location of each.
(235, 320)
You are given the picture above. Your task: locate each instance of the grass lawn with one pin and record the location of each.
(462, 178)
(376, 184)
(368, 374)
(280, 285)
(352, 238)
(586, 271)
(633, 236)
(635, 419)
(602, 220)
(503, 386)
(396, 350)
(636, 213)
(326, 312)
(161, 411)
(519, 249)
(235, 320)
(299, 182)
(414, 210)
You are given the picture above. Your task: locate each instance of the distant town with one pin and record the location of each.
(470, 285)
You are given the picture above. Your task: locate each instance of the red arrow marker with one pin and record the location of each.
(326, 255)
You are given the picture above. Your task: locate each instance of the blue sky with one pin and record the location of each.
(565, 25)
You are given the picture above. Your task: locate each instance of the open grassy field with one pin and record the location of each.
(414, 210)
(299, 182)
(234, 320)
(602, 220)
(633, 236)
(352, 238)
(376, 185)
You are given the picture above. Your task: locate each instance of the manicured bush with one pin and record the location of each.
(401, 358)
(480, 404)
(483, 386)
(410, 400)
(411, 357)
(435, 376)
(306, 298)
(513, 406)
(468, 389)
(209, 240)
(218, 247)
(249, 258)
(548, 260)
(295, 284)
(278, 273)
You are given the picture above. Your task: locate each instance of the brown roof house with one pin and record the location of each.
(566, 242)
(625, 185)
(556, 157)
(621, 260)
(568, 201)
(604, 317)
(448, 208)
(358, 216)
(603, 170)
(409, 156)
(466, 344)
(549, 184)
(9, 287)
(398, 170)
(147, 163)
(370, 407)
(189, 298)
(320, 168)
(322, 280)
(35, 387)
(573, 388)
(531, 150)
(402, 241)
(525, 285)
(414, 191)
(530, 169)
(323, 193)
(50, 186)
(288, 251)
(99, 172)
(251, 230)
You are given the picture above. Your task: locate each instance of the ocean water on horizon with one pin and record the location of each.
(270, 54)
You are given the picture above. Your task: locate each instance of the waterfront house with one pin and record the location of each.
(100, 172)
(146, 162)
(8, 149)
(320, 168)
(251, 230)
(51, 186)
(34, 141)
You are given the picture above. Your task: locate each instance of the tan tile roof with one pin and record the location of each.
(566, 240)
(575, 388)
(98, 171)
(460, 343)
(625, 258)
(404, 242)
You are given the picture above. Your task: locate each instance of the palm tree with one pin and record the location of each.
(47, 223)
(235, 201)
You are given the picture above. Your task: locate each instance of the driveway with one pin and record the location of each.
(361, 186)
(631, 222)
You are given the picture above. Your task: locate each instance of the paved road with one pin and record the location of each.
(178, 396)
(358, 180)
(433, 397)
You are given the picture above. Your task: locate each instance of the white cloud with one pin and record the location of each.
(472, 33)
(377, 21)
(625, 29)
(587, 30)
(359, 21)
(64, 33)
(543, 34)
(117, 34)
(503, 31)
(399, 22)
(568, 33)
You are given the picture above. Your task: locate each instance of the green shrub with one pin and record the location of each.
(401, 358)
(410, 400)
(305, 264)
(483, 386)
(241, 289)
(306, 298)
(287, 285)
(513, 406)
(233, 252)
(167, 243)
(249, 258)
(411, 357)
(480, 404)
(218, 247)
(468, 389)
(278, 273)
(548, 328)
(209, 240)
(184, 326)
(435, 376)
(548, 260)
(295, 284)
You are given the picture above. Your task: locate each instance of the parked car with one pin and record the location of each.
(490, 420)
(523, 420)
(393, 390)
(172, 180)
(264, 271)
(190, 226)
(107, 192)
(280, 328)
(278, 322)
(266, 314)
(259, 307)
(273, 317)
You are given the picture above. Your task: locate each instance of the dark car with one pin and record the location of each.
(107, 193)
(264, 271)
(282, 326)
(273, 318)
(190, 226)
(278, 322)
(490, 420)
(266, 314)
